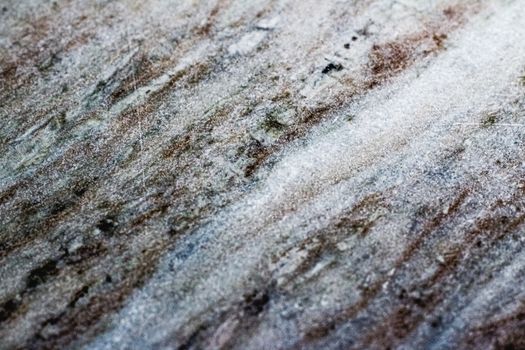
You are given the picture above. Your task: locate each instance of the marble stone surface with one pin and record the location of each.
(262, 174)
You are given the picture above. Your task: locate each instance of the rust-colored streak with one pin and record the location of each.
(371, 292)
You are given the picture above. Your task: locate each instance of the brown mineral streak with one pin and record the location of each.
(371, 292)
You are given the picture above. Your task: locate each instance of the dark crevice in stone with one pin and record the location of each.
(8, 308)
(332, 67)
(42, 274)
(78, 295)
(255, 302)
(107, 225)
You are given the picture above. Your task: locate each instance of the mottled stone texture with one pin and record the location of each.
(262, 174)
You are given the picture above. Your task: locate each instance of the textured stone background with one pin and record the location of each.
(262, 174)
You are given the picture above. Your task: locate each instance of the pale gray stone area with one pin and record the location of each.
(262, 174)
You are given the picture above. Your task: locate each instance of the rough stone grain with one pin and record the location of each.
(263, 174)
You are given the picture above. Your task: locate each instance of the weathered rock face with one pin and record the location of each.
(262, 174)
